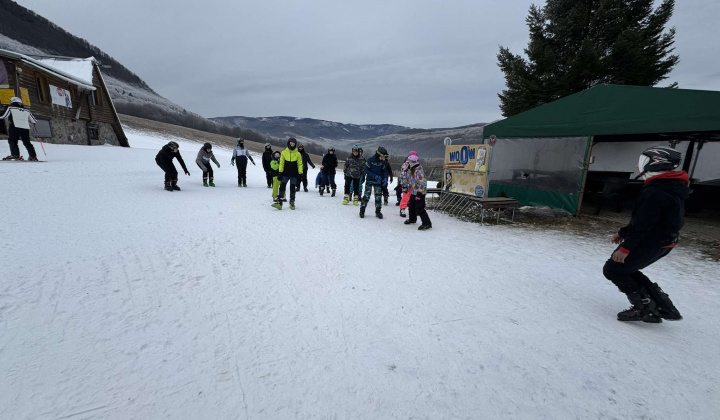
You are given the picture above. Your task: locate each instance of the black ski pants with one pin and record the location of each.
(398, 192)
(269, 178)
(20, 133)
(171, 174)
(416, 207)
(283, 185)
(302, 179)
(627, 276)
(385, 191)
(208, 173)
(242, 170)
(354, 184)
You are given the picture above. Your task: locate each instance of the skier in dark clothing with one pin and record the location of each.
(266, 159)
(306, 161)
(653, 231)
(385, 192)
(329, 164)
(375, 178)
(19, 119)
(241, 154)
(164, 160)
(353, 171)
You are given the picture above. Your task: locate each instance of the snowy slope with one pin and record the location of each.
(119, 300)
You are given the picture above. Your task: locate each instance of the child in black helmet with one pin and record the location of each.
(241, 154)
(329, 164)
(203, 161)
(653, 231)
(164, 160)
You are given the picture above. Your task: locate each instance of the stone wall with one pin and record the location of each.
(75, 132)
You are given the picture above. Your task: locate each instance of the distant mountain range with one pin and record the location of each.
(396, 138)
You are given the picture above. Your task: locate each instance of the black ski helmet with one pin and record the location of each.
(241, 142)
(207, 146)
(173, 145)
(381, 151)
(276, 154)
(332, 149)
(292, 140)
(658, 159)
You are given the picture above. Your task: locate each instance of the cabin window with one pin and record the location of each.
(40, 85)
(97, 97)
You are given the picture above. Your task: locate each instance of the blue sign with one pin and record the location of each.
(463, 155)
(479, 191)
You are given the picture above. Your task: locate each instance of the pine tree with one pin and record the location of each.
(577, 44)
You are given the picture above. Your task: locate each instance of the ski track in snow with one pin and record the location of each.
(119, 300)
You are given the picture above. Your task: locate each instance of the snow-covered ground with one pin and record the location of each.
(119, 300)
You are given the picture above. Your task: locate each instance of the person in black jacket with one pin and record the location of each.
(385, 192)
(329, 164)
(164, 160)
(653, 231)
(266, 159)
(306, 161)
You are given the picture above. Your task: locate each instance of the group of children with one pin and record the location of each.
(291, 165)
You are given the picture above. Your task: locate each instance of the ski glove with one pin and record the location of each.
(384, 182)
(187, 172)
(378, 178)
(232, 162)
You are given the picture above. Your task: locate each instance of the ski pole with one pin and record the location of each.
(41, 145)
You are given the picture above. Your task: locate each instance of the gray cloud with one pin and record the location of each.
(420, 63)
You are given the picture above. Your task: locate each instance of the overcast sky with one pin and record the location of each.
(419, 63)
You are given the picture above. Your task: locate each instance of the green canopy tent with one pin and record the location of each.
(541, 156)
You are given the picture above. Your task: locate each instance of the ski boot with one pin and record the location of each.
(33, 159)
(385, 201)
(277, 204)
(398, 203)
(356, 202)
(666, 309)
(327, 190)
(333, 193)
(346, 200)
(408, 222)
(402, 213)
(269, 186)
(205, 183)
(175, 186)
(168, 186)
(244, 185)
(13, 157)
(292, 204)
(425, 227)
(212, 184)
(322, 190)
(643, 309)
(378, 213)
(239, 185)
(305, 189)
(362, 212)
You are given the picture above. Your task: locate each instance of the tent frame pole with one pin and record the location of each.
(586, 166)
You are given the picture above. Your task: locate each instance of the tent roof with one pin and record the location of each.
(620, 112)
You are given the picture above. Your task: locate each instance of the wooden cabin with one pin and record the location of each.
(67, 96)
